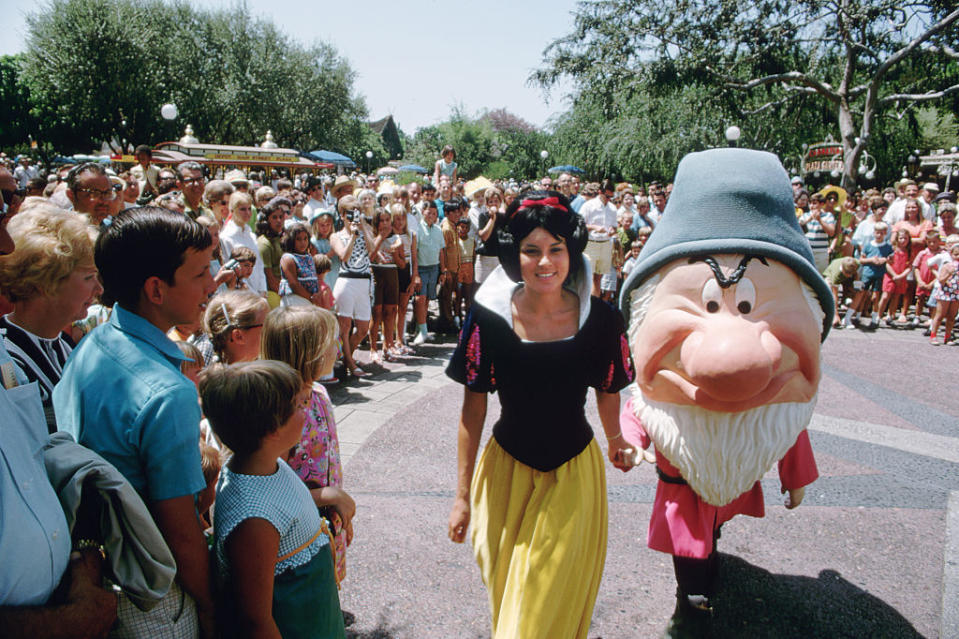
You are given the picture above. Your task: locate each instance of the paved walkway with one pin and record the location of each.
(873, 551)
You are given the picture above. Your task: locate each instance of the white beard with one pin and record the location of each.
(721, 455)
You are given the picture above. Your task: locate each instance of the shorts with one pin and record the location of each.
(429, 276)
(386, 289)
(403, 278)
(465, 274)
(600, 256)
(872, 282)
(351, 297)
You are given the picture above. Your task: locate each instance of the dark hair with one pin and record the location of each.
(448, 149)
(262, 225)
(144, 148)
(189, 165)
(275, 203)
(524, 215)
(141, 243)
(245, 402)
(87, 167)
(607, 185)
(288, 241)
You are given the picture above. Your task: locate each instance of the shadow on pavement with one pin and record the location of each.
(752, 602)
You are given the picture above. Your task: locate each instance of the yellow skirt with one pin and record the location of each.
(540, 542)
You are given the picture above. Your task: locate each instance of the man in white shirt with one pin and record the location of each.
(600, 217)
(24, 173)
(897, 210)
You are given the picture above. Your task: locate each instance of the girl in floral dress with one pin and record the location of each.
(946, 294)
(305, 337)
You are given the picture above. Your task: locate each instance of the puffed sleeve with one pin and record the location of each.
(614, 366)
(472, 362)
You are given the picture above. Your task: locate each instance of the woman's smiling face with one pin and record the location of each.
(543, 260)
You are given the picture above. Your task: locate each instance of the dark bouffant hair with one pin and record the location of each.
(525, 214)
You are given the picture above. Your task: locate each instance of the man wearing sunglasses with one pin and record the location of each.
(91, 192)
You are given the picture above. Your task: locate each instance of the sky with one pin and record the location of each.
(415, 60)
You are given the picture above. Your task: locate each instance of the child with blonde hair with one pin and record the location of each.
(234, 320)
(274, 566)
(305, 337)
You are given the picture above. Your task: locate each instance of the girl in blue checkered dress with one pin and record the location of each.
(274, 565)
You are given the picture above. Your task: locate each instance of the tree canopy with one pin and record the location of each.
(99, 70)
(856, 67)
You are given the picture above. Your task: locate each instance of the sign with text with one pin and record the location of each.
(824, 157)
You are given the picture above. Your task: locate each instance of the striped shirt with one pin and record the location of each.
(40, 359)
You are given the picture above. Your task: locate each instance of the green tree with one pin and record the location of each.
(859, 59)
(100, 70)
(17, 123)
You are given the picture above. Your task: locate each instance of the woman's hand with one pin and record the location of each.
(459, 520)
(625, 456)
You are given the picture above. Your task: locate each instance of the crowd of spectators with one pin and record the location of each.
(122, 316)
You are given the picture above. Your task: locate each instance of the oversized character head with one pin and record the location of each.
(726, 313)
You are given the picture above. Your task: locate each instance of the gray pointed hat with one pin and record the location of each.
(730, 201)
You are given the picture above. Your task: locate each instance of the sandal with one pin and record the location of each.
(358, 372)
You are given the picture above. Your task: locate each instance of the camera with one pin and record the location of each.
(232, 264)
(353, 215)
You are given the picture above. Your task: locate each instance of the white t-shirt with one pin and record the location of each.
(232, 236)
(598, 214)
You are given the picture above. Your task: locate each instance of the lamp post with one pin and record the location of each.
(912, 163)
(544, 154)
(369, 158)
(169, 112)
(732, 135)
(867, 166)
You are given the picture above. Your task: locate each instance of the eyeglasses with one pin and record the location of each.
(119, 187)
(166, 178)
(95, 194)
(190, 181)
(224, 202)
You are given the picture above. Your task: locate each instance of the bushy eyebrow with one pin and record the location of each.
(735, 276)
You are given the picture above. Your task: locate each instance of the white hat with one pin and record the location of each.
(931, 186)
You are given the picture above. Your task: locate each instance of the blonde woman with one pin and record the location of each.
(51, 280)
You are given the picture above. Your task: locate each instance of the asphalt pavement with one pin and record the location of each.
(872, 552)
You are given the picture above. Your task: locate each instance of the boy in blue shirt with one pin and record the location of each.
(873, 260)
(122, 394)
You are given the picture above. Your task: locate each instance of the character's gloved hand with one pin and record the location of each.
(794, 498)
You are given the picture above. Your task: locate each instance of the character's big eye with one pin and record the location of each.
(712, 295)
(745, 296)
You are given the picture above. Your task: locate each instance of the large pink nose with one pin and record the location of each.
(731, 359)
